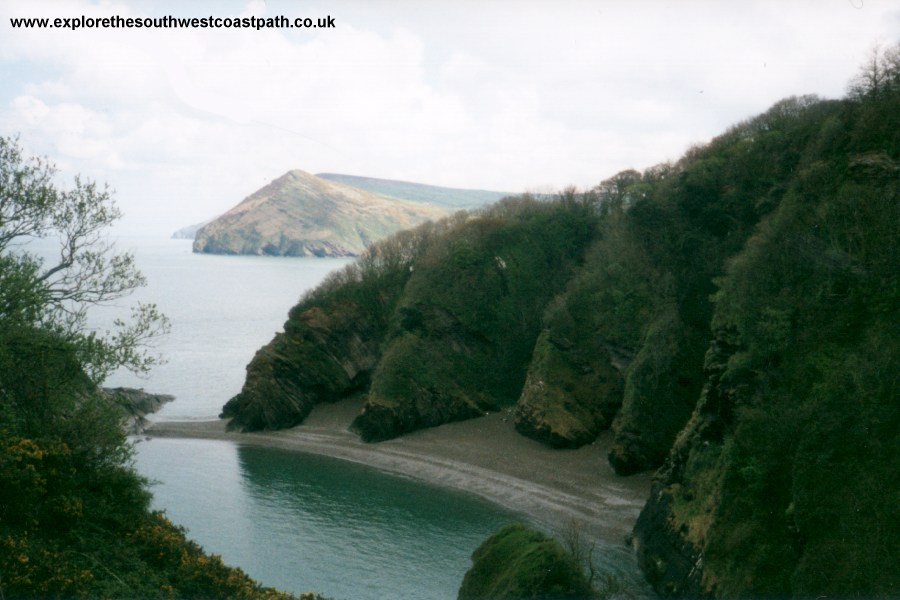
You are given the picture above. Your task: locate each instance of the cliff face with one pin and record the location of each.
(784, 480)
(732, 317)
(469, 317)
(436, 325)
(572, 390)
(299, 214)
(320, 357)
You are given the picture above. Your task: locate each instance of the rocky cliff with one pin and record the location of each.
(732, 317)
(299, 214)
(320, 357)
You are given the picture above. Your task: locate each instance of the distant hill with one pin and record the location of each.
(453, 198)
(300, 214)
(189, 232)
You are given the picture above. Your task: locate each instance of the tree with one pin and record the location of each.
(879, 74)
(74, 516)
(55, 296)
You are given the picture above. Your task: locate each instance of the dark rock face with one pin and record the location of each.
(320, 357)
(416, 385)
(377, 422)
(662, 540)
(571, 393)
(671, 564)
(661, 389)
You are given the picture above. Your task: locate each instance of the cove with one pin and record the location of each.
(303, 522)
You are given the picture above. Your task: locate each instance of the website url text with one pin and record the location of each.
(170, 22)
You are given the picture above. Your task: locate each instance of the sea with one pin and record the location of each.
(295, 521)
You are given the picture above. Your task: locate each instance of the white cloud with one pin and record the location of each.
(501, 95)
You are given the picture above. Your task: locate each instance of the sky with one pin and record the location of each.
(525, 95)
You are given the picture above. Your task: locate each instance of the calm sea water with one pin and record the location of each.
(303, 522)
(222, 309)
(294, 521)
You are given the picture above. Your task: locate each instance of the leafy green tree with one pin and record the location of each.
(74, 516)
(56, 295)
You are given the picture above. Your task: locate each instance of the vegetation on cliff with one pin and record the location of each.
(518, 562)
(436, 324)
(785, 480)
(731, 316)
(74, 516)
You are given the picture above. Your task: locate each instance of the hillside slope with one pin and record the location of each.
(299, 214)
(785, 480)
(415, 321)
(450, 198)
(733, 317)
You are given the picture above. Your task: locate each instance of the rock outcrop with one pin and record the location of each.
(416, 384)
(320, 357)
(572, 390)
(300, 214)
(469, 317)
(136, 405)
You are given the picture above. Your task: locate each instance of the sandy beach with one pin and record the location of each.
(483, 456)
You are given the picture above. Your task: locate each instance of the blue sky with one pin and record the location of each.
(504, 95)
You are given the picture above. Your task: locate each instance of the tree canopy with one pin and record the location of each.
(74, 516)
(87, 270)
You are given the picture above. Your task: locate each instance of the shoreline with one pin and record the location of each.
(485, 456)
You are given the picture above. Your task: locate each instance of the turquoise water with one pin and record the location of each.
(294, 521)
(302, 522)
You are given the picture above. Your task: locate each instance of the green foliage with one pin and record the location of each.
(470, 314)
(660, 259)
(74, 516)
(518, 562)
(88, 271)
(785, 478)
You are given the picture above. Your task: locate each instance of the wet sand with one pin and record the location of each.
(485, 456)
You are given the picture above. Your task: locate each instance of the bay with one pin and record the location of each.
(302, 522)
(294, 521)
